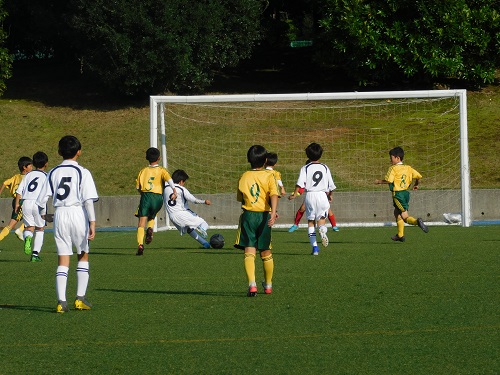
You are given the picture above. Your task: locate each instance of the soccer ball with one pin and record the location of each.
(217, 241)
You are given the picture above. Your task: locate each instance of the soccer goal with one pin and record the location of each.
(208, 137)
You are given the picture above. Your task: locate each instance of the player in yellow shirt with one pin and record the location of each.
(25, 165)
(150, 184)
(258, 194)
(272, 159)
(399, 177)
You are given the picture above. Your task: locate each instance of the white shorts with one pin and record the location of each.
(183, 220)
(71, 228)
(317, 205)
(31, 215)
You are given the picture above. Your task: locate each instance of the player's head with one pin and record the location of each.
(179, 175)
(152, 154)
(69, 146)
(314, 151)
(40, 158)
(397, 152)
(272, 159)
(257, 156)
(23, 163)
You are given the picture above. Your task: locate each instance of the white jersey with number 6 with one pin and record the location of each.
(69, 185)
(29, 189)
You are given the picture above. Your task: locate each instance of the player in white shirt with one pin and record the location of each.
(185, 220)
(73, 193)
(27, 192)
(317, 180)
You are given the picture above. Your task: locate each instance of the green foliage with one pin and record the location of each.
(423, 39)
(154, 46)
(5, 57)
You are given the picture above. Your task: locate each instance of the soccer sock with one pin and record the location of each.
(312, 236)
(332, 220)
(411, 220)
(151, 223)
(38, 241)
(268, 264)
(250, 267)
(5, 231)
(82, 278)
(401, 227)
(197, 237)
(61, 282)
(298, 216)
(27, 233)
(140, 235)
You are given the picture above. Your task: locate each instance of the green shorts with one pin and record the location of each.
(150, 205)
(17, 216)
(254, 231)
(401, 200)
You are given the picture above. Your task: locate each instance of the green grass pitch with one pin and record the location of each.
(365, 305)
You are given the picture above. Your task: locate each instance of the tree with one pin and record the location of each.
(416, 39)
(5, 56)
(154, 46)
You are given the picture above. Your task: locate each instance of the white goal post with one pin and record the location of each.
(208, 136)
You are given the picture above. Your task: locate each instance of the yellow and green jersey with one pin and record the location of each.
(400, 177)
(152, 179)
(13, 182)
(255, 188)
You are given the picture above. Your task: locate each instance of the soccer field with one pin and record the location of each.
(365, 305)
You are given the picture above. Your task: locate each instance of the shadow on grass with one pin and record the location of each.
(28, 308)
(170, 292)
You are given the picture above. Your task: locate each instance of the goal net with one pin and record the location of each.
(208, 137)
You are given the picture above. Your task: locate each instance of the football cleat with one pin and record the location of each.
(252, 291)
(202, 232)
(268, 288)
(19, 234)
(35, 258)
(62, 307)
(397, 238)
(27, 245)
(335, 228)
(315, 250)
(293, 228)
(140, 250)
(82, 304)
(206, 245)
(324, 237)
(422, 225)
(149, 236)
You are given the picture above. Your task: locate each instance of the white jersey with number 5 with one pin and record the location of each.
(69, 185)
(317, 179)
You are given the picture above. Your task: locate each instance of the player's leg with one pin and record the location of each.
(322, 231)
(140, 234)
(149, 232)
(194, 234)
(298, 216)
(268, 264)
(37, 244)
(82, 282)
(5, 231)
(28, 234)
(250, 253)
(61, 283)
(333, 222)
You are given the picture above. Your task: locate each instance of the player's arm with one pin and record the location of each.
(380, 182)
(295, 193)
(89, 207)
(17, 205)
(415, 183)
(274, 209)
(170, 183)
